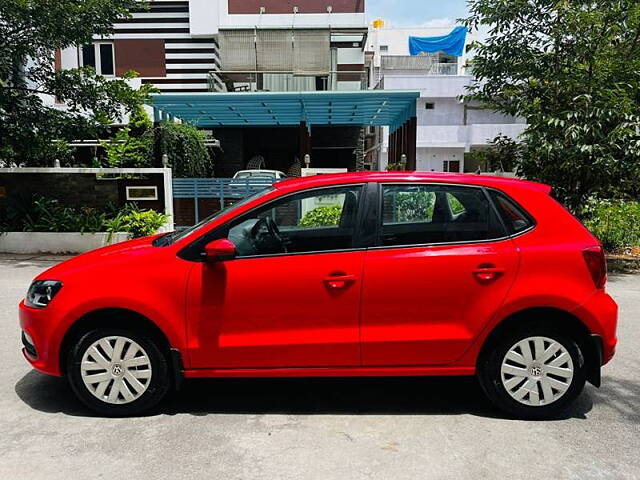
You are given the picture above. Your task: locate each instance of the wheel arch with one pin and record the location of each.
(590, 345)
(112, 317)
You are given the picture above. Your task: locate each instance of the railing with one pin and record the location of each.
(428, 65)
(272, 81)
(222, 189)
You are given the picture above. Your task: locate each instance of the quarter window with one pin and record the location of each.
(515, 219)
(428, 214)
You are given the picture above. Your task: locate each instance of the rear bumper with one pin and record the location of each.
(42, 342)
(600, 314)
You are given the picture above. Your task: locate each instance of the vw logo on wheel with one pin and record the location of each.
(536, 371)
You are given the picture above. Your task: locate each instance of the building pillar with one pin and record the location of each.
(401, 143)
(304, 142)
(397, 146)
(392, 147)
(405, 143)
(412, 147)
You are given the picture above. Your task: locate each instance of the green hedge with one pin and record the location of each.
(322, 217)
(41, 214)
(615, 222)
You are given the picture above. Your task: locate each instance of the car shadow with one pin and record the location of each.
(309, 396)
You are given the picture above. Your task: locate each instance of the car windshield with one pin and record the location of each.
(256, 175)
(173, 237)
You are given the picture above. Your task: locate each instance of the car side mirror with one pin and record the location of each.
(220, 250)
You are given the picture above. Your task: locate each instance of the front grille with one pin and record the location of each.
(28, 346)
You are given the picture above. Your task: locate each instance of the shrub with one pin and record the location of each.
(139, 223)
(322, 217)
(132, 145)
(41, 214)
(185, 146)
(615, 222)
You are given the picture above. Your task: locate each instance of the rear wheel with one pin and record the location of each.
(117, 372)
(533, 372)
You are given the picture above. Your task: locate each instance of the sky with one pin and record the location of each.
(414, 13)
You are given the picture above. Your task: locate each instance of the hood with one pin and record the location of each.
(106, 257)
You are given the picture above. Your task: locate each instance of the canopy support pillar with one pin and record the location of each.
(304, 143)
(412, 140)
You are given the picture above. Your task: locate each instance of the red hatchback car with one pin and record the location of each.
(373, 274)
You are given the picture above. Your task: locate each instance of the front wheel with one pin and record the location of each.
(533, 373)
(117, 372)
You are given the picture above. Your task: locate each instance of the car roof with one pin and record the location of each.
(258, 171)
(435, 177)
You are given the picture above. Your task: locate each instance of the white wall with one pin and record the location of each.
(208, 16)
(204, 16)
(348, 86)
(489, 116)
(350, 56)
(397, 39)
(482, 134)
(432, 86)
(431, 159)
(446, 111)
(69, 58)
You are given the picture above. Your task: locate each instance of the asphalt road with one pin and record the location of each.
(314, 429)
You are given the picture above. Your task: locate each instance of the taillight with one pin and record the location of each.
(597, 264)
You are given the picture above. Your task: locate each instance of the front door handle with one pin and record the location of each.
(339, 281)
(486, 273)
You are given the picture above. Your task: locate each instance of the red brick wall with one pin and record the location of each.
(286, 6)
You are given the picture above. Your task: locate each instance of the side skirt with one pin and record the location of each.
(330, 372)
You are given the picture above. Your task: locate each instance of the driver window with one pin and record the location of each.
(314, 221)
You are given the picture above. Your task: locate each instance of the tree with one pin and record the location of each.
(572, 69)
(502, 154)
(30, 33)
(132, 145)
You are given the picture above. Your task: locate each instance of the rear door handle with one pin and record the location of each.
(488, 273)
(339, 281)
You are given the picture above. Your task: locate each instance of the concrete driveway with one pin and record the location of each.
(314, 429)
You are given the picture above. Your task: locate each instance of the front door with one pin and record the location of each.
(442, 268)
(291, 297)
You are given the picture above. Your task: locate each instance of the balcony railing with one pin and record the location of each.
(272, 81)
(425, 64)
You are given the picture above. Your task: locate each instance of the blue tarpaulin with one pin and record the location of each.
(452, 44)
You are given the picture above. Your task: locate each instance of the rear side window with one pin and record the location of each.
(417, 214)
(515, 218)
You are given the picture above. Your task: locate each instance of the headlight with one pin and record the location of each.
(41, 292)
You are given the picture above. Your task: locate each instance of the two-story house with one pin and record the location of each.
(447, 127)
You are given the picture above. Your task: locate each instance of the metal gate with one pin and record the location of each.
(226, 190)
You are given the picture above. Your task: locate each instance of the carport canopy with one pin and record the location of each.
(325, 108)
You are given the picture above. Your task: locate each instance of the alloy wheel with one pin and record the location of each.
(116, 370)
(537, 371)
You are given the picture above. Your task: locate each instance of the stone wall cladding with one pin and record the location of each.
(76, 189)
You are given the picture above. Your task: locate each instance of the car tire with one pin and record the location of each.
(118, 372)
(527, 385)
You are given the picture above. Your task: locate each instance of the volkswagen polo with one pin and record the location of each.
(374, 274)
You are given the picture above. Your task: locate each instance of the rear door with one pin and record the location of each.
(442, 266)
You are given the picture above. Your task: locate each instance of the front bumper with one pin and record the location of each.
(42, 340)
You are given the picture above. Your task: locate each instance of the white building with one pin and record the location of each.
(447, 127)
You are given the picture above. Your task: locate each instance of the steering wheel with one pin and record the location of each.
(266, 233)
